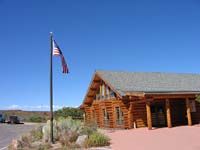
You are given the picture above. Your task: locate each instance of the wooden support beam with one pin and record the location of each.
(142, 101)
(90, 96)
(108, 93)
(130, 115)
(149, 121)
(168, 112)
(96, 81)
(135, 94)
(105, 92)
(100, 92)
(188, 112)
(172, 96)
(93, 89)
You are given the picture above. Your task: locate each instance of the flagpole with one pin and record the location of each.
(51, 89)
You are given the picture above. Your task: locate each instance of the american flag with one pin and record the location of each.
(58, 52)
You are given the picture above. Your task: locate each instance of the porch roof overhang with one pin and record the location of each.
(148, 93)
(139, 97)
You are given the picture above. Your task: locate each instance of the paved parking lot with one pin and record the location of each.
(9, 132)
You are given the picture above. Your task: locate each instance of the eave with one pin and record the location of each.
(92, 89)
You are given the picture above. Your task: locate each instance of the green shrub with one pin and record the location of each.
(97, 139)
(69, 112)
(36, 119)
(198, 98)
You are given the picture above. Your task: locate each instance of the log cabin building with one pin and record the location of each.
(133, 99)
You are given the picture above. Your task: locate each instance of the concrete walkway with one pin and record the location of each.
(176, 138)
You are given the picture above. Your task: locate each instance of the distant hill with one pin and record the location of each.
(28, 116)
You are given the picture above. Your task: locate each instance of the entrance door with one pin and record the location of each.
(158, 115)
(178, 112)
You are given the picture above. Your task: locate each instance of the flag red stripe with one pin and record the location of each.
(58, 52)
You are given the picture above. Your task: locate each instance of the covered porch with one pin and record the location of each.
(165, 110)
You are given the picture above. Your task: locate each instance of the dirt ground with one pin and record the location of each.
(176, 138)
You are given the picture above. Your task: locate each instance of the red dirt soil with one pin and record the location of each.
(176, 138)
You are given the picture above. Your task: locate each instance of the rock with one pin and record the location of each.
(56, 146)
(14, 144)
(101, 148)
(36, 143)
(19, 144)
(81, 139)
(45, 133)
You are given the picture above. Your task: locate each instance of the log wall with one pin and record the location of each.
(124, 108)
(94, 113)
(88, 113)
(139, 115)
(136, 113)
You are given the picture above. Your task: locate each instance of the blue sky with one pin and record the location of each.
(135, 35)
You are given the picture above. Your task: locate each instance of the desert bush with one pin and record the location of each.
(68, 138)
(46, 131)
(62, 126)
(66, 132)
(66, 124)
(97, 139)
(44, 147)
(25, 142)
(36, 134)
(89, 129)
(73, 146)
(36, 119)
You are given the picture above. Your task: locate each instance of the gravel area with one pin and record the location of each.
(176, 138)
(9, 132)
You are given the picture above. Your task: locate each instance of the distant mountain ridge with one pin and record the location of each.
(27, 115)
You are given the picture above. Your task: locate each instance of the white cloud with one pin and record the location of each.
(33, 107)
(13, 107)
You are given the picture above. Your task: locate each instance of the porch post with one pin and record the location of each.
(100, 92)
(188, 112)
(168, 111)
(130, 115)
(148, 109)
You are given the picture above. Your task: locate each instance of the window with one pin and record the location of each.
(119, 116)
(105, 117)
(97, 97)
(112, 94)
(102, 91)
(107, 92)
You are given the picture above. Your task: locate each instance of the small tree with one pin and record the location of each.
(65, 112)
(197, 98)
